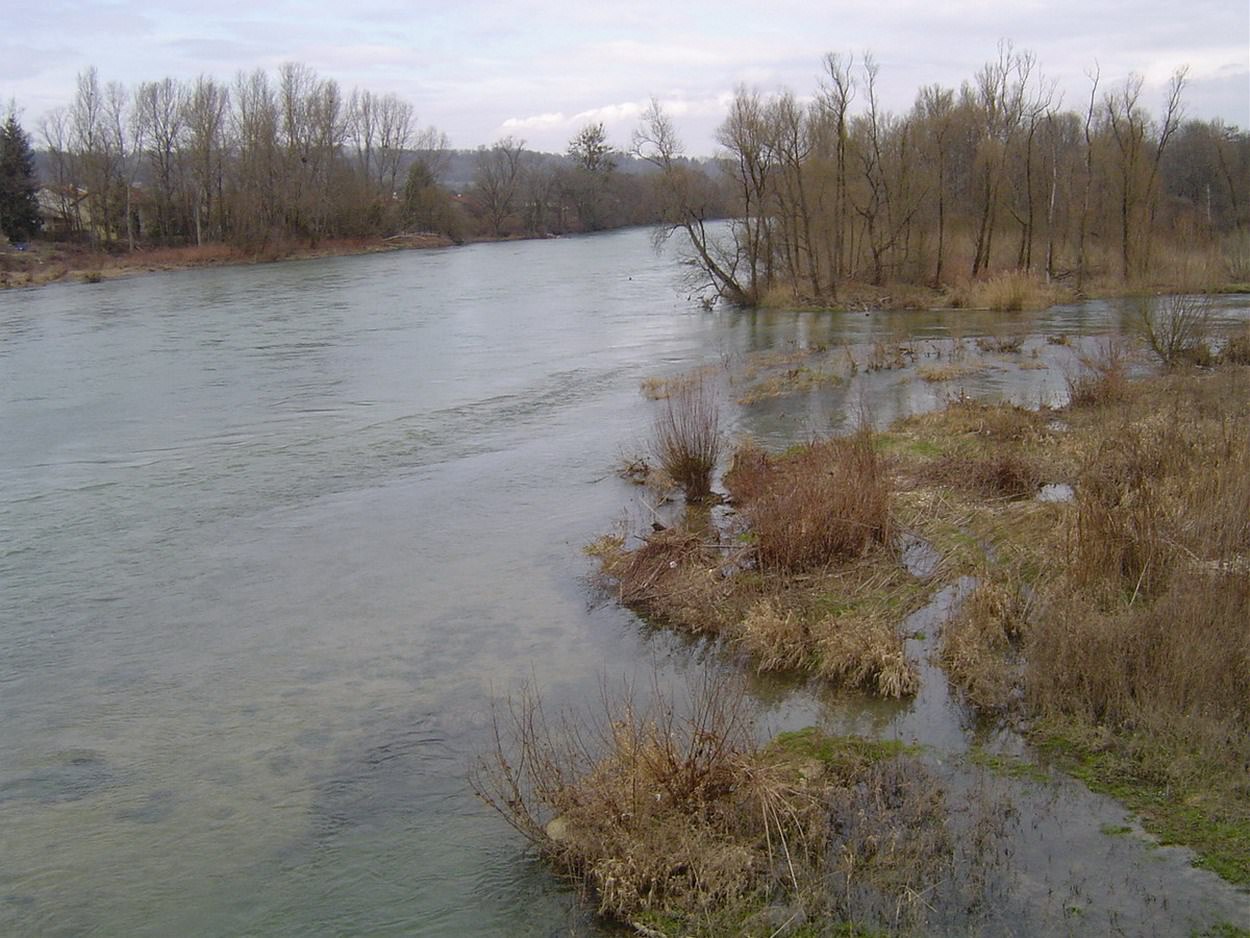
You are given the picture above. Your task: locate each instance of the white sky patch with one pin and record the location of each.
(542, 70)
(536, 120)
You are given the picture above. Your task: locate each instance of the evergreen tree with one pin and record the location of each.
(19, 206)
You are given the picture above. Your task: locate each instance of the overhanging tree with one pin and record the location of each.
(19, 205)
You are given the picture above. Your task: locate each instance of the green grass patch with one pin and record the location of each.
(1115, 830)
(1175, 816)
(1223, 930)
(1008, 766)
(908, 445)
(837, 751)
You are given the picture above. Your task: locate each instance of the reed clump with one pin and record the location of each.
(686, 438)
(980, 648)
(1237, 347)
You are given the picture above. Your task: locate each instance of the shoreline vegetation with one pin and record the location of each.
(46, 262)
(1101, 552)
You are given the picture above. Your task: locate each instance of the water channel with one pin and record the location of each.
(273, 537)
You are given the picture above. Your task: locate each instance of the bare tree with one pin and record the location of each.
(1138, 160)
(158, 119)
(497, 180)
(685, 204)
(207, 108)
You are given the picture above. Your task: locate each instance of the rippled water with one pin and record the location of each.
(274, 535)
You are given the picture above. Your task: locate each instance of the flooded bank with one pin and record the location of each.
(276, 535)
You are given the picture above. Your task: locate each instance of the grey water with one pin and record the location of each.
(273, 537)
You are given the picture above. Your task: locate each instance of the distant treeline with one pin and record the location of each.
(833, 189)
(267, 159)
(825, 191)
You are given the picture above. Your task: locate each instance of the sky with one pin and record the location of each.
(539, 71)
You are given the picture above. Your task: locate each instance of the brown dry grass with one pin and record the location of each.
(1237, 347)
(1003, 473)
(980, 645)
(662, 808)
(1011, 291)
(820, 504)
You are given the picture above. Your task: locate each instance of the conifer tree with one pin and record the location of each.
(19, 205)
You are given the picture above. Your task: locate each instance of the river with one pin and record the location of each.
(274, 536)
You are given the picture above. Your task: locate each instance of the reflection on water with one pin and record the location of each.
(275, 535)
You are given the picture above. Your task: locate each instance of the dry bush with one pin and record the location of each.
(1177, 328)
(1130, 501)
(1003, 344)
(673, 576)
(822, 503)
(868, 654)
(1120, 529)
(654, 389)
(687, 435)
(1153, 610)
(664, 808)
(1103, 375)
(979, 644)
(1235, 252)
(748, 475)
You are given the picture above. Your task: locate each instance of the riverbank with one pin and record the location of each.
(1099, 552)
(45, 262)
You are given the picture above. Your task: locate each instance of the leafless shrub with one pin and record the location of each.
(663, 806)
(687, 436)
(1177, 328)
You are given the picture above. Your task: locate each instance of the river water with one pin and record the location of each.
(273, 536)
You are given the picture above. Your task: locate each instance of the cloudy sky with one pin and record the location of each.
(539, 70)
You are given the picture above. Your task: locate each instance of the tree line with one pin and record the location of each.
(824, 191)
(274, 158)
(996, 175)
